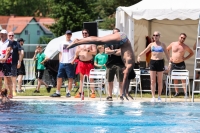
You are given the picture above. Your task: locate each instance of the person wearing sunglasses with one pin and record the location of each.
(84, 58)
(179, 48)
(5, 64)
(156, 64)
(15, 50)
(119, 39)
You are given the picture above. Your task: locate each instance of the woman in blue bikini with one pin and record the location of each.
(127, 54)
(156, 64)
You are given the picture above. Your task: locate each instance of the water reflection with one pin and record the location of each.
(99, 117)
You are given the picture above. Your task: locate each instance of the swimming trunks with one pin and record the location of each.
(84, 67)
(157, 49)
(123, 38)
(178, 66)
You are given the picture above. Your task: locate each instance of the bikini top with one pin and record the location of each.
(157, 49)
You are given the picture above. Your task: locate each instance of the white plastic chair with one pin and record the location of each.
(135, 82)
(177, 75)
(99, 77)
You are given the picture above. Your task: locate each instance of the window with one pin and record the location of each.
(38, 32)
(26, 32)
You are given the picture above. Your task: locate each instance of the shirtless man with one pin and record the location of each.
(127, 54)
(85, 54)
(178, 57)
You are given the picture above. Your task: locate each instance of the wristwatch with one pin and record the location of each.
(115, 50)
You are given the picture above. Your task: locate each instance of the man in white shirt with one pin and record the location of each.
(5, 65)
(66, 68)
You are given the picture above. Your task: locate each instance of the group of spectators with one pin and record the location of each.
(110, 58)
(87, 57)
(11, 63)
(81, 59)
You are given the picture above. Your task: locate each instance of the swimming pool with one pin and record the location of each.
(99, 117)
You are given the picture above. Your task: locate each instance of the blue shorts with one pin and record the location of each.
(66, 70)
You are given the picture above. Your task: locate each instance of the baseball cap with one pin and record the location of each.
(68, 32)
(4, 31)
(20, 39)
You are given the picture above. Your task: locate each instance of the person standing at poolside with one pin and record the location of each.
(15, 50)
(114, 67)
(40, 57)
(5, 64)
(156, 64)
(120, 39)
(66, 69)
(101, 58)
(21, 71)
(177, 58)
(84, 54)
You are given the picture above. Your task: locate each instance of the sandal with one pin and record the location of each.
(109, 98)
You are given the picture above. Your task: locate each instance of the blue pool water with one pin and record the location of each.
(99, 117)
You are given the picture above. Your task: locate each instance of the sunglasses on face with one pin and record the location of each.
(85, 33)
(10, 35)
(155, 35)
(183, 38)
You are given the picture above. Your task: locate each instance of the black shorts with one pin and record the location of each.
(131, 74)
(21, 70)
(178, 66)
(157, 65)
(39, 74)
(6, 68)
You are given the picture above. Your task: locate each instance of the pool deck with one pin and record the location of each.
(63, 98)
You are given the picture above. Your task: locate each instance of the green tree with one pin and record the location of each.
(25, 7)
(106, 10)
(71, 14)
(45, 39)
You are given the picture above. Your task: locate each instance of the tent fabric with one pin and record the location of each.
(52, 46)
(168, 17)
(163, 9)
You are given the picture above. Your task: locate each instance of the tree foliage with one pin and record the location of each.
(107, 9)
(70, 14)
(24, 7)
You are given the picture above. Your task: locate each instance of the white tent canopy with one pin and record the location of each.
(52, 47)
(169, 17)
(164, 9)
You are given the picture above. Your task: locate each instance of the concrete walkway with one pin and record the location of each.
(63, 98)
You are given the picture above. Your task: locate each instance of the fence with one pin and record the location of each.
(29, 80)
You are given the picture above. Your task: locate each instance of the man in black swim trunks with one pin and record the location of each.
(177, 59)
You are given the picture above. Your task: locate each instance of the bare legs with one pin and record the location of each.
(126, 82)
(81, 84)
(153, 82)
(40, 82)
(9, 85)
(59, 83)
(160, 82)
(14, 82)
(20, 82)
(183, 83)
(110, 88)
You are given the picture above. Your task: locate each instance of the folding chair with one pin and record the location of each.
(99, 77)
(135, 82)
(177, 75)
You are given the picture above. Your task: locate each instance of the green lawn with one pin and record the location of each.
(43, 92)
